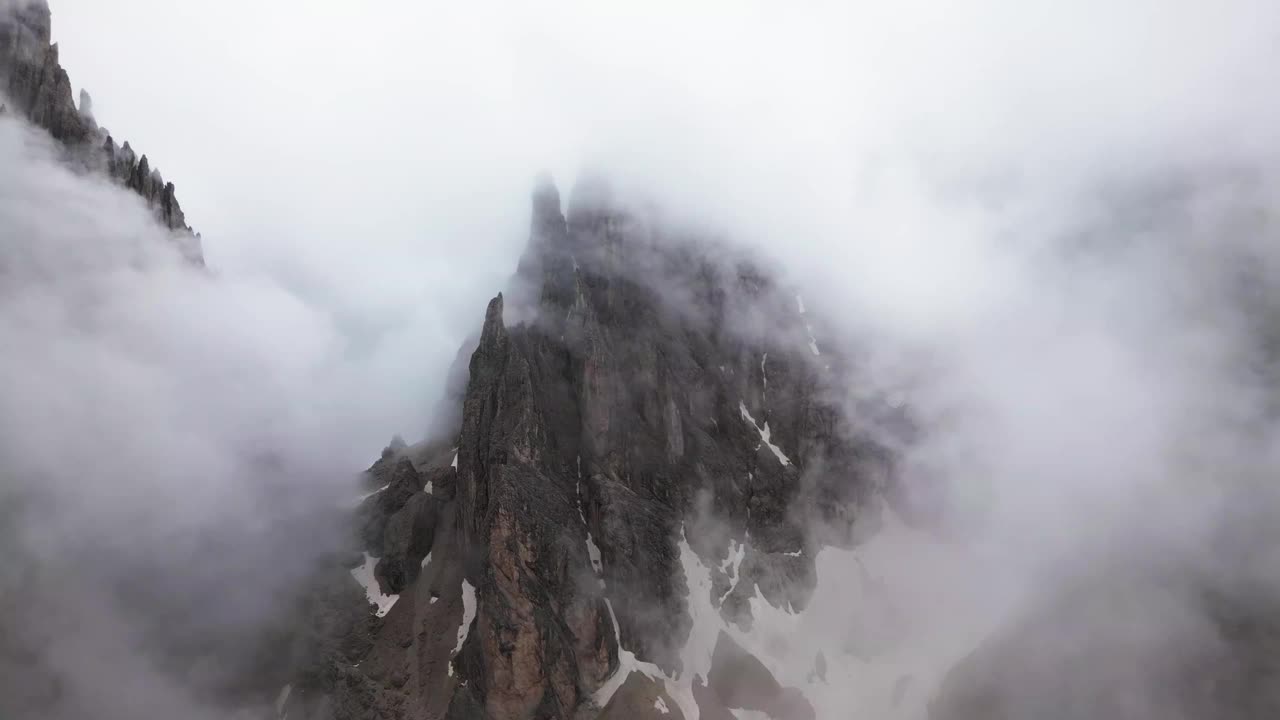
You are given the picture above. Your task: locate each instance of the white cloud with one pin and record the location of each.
(969, 189)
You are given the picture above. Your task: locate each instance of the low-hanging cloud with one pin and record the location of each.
(176, 443)
(1048, 227)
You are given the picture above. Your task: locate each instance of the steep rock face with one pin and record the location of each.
(34, 80)
(356, 658)
(541, 621)
(602, 399)
(651, 450)
(34, 85)
(694, 405)
(636, 394)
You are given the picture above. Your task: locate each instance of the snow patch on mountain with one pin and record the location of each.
(594, 551)
(732, 564)
(765, 434)
(813, 342)
(365, 576)
(282, 702)
(881, 629)
(468, 615)
(764, 378)
(627, 664)
(370, 494)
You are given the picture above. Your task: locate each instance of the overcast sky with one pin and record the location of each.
(325, 141)
(913, 165)
(906, 162)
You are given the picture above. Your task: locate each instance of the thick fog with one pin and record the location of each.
(1047, 228)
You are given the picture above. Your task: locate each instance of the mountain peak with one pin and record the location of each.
(39, 90)
(493, 325)
(546, 196)
(618, 433)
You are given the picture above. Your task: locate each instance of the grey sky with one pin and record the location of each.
(329, 141)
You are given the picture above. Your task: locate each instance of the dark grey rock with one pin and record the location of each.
(406, 540)
(37, 86)
(605, 394)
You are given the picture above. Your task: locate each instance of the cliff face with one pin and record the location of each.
(651, 450)
(34, 85)
(639, 403)
(641, 455)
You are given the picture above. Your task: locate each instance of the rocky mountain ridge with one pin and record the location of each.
(625, 521)
(638, 400)
(35, 86)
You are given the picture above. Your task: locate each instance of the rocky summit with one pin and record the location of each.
(644, 453)
(34, 85)
(638, 405)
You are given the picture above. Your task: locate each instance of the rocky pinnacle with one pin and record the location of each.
(635, 400)
(34, 85)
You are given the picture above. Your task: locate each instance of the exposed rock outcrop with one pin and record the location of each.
(634, 389)
(34, 85)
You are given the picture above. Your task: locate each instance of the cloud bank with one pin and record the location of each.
(1048, 228)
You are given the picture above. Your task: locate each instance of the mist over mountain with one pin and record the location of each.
(855, 360)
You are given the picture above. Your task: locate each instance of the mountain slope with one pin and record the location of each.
(638, 400)
(655, 496)
(34, 85)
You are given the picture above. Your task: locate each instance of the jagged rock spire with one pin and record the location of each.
(592, 194)
(39, 90)
(86, 105)
(547, 223)
(545, 272)
(493, 330)
(546, 200)
(608, 406)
